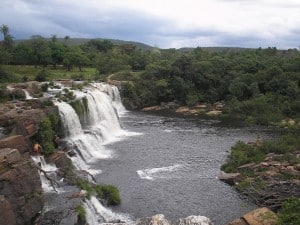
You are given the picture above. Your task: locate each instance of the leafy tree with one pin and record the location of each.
(41, 51)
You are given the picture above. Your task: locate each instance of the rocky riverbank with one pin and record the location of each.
(271, 175)
(199, 109)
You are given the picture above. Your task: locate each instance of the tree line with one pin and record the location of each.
(259, 85)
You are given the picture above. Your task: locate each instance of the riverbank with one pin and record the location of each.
(267, 172)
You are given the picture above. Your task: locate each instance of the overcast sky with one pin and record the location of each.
(161, 23)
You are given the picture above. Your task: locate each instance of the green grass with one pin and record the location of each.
(289, 214)
(81, 212)
(30, 72)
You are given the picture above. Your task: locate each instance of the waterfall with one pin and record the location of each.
(27, 95)
(88, 132)
(50, 168)
(97, 213)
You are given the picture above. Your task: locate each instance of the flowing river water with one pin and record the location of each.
(161, 165)
(172, 168)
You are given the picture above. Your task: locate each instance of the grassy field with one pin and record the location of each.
(21, 72)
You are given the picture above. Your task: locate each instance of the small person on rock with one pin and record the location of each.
(37, 149)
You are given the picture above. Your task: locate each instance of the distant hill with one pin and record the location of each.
(79, 41)
(139, 45)
(217, 49)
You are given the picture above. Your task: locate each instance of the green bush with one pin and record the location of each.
(42, 75)
(241, 154)
(285, 144)
(45, 136)
(85, 185)
(109, 193)
(290, 212)
(81, 212)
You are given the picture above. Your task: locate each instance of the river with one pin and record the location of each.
(161, 164)
(171, 168)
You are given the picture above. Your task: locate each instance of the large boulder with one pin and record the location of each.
(194, 220)
(261, 216)
(230, 178)
(7, 214)
(21, 185)
(15, 142)
(158, 219)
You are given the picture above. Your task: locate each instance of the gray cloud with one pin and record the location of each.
(106, 20)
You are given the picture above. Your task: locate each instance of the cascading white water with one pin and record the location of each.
(70, 119)
(114, 95)
(27, 95)
(49, 168)
(104, 105)
(97, 213)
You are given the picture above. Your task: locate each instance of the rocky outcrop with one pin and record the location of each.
(23, 118)
(199, 109)
(15, 142)
(260, 216)
(230, 178)
(20, 185)
(7, 214)
(194, 220)
(270, 182)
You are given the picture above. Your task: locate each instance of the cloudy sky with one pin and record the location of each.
(161, 23)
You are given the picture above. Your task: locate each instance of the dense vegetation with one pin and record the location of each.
(258, 85)
(242, 153)
(108, 193)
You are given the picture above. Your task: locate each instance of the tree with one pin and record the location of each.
(7, 44)
(41, 51)
(66, 39)
(75, 57)
(4, 30)
(54, 38)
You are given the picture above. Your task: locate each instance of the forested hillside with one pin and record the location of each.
(259, 85)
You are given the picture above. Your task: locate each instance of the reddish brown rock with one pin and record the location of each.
(7, 215)
(261, 216)
(9, 156)
(21, 185)
(230, 178)
(238, 222)
(15, 142)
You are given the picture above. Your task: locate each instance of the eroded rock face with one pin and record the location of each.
(23, 118)
(15, 142)
(7, 214)
(20, 185)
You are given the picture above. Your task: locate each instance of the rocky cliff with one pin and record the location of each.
(21, 197)
(20, 188)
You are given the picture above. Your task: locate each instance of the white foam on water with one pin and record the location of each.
(97, 213)
(159, 173)
(27, 95)
(49, 168)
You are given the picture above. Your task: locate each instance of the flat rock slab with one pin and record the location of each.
(261, 216)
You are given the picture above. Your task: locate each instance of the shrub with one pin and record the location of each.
(285, 144)
(241, 154)
(289, 214)
(81, 212)
(45, 136)
(85, 185)
(110, 193)
(45, 87)
(42, 75)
